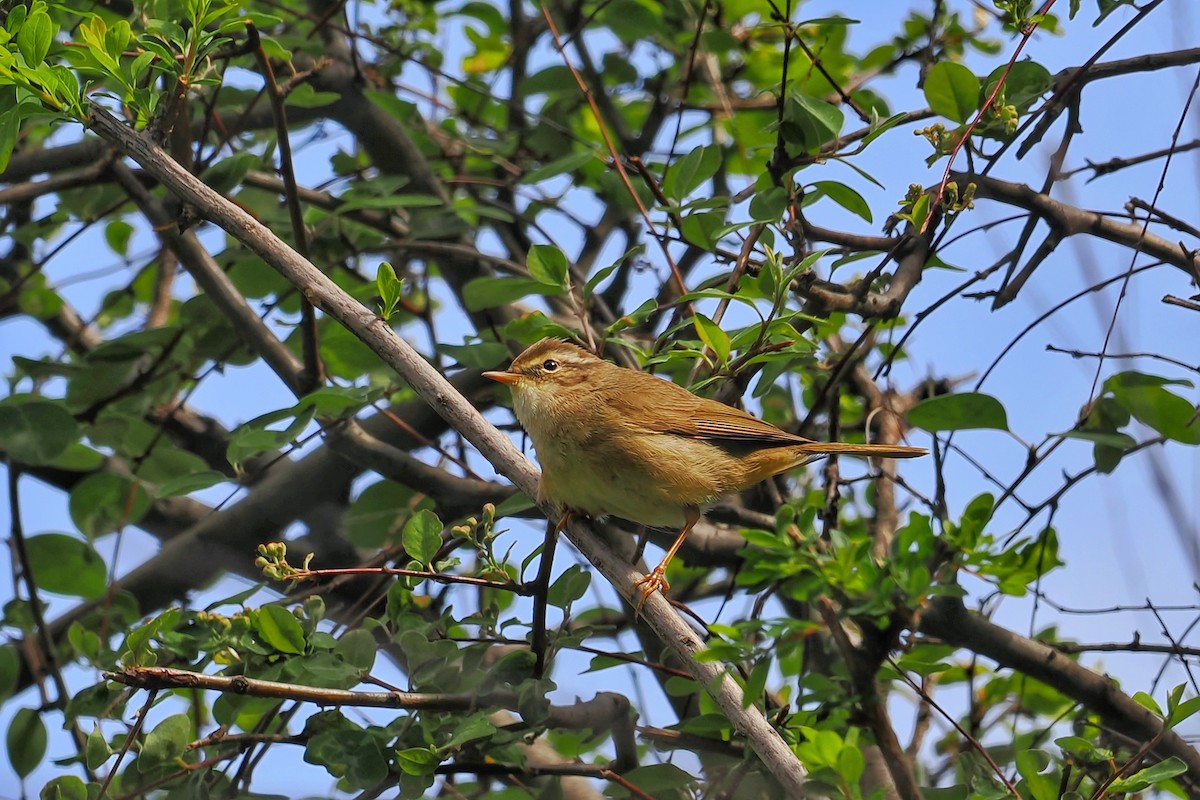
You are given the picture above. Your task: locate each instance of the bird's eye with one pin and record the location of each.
(550, 365)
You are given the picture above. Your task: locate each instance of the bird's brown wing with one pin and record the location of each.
(665, 407)
(712, 420)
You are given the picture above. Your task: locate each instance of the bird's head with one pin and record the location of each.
(548, 378)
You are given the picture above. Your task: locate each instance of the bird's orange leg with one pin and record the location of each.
(657, 578)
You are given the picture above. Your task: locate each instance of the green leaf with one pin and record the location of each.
(810, 122)
(168, 462)
(10, 128)
(1122, 441)
(16, 17)
(688, 173)
(65, 787)
(568, 163)
(36, 431)
(389, 288)
(883, 128)
(333, 401)
(93, 701)
(1081, 748)
(104, 502)
(923, 668)
(1138, 379)
(35, 36)
(305, 96)
(78, 458)
(851, 764)
(936, 262)
(390, 201)
(226, 174)
(186, 484)
(138, 648)
(165, 744)
(1147, 702)
(599, 663)
(975, 517)
(769, 205)
(569, 587)
(476, 726)
(555, 79)
(1144, 779)
(372, 521)
(830, 21)
(1178, 714)
(98, 750)
(84, 642)
(136, 69)
(960, 792)
(959, 412)
(26, 741)
(422, 537)
(712, 335)
(10, 670)
(41, 302)
(488, 292)
(357, 648)
(548, 265)
(661, 780)
(479, 355)
(1030, 764)
(1146, 399)
(280, 629)
(514, 505)
(352, 754)
(919, 211)
(418, 760)
(841, 194)
(65, 565)
(756, 684)
(701, 228)
(952, 90)
(255, 437)
(1025, 83)
(323, 669)
(118, 233)
(595, 280)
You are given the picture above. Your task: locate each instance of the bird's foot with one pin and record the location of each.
(568, 516)
(649, 584)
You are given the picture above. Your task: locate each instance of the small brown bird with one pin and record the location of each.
(615, 441)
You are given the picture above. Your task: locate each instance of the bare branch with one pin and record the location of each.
(1069, 220)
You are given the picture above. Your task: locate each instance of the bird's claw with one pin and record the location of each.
(649, 584)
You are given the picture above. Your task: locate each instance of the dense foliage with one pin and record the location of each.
(260, 547)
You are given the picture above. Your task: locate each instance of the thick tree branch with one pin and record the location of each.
(1069, 220)
(911, 253)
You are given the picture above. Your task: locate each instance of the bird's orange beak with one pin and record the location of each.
(503, 377)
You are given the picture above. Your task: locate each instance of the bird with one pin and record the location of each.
(614, 441)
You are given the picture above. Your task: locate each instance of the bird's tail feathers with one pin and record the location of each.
(847, 449)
